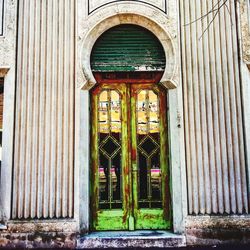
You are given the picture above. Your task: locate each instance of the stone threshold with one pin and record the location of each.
(131, 239)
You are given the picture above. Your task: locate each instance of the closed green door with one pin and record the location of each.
(129, 170)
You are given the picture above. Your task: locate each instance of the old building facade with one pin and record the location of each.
(124, 116)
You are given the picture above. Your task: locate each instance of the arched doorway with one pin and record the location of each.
(129, 156)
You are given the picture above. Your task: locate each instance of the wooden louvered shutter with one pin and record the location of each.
(127, 48)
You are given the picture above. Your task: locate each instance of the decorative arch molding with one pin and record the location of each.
(128, 18)
(160, 5)
(165, 28)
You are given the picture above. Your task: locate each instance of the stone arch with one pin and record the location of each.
(129, 18)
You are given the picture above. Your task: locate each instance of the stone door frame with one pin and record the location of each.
(166, 29)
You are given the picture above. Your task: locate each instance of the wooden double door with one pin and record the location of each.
(129, 167)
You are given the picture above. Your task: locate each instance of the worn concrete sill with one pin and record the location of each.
(131, 239)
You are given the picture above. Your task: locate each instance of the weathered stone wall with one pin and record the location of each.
(39, 234)
(215, 152)
(43, 181)
(8, 40)
(217, 230)
(37, 240)
(245, 30)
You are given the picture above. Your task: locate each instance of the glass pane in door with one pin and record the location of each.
(109, 137)
(148, 150)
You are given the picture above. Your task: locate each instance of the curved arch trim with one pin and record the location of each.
(139, 1)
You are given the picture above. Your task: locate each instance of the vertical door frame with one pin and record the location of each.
(7, 142)
(171, 80)
(8, 72)
(176, 164)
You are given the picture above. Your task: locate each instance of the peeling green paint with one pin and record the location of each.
(131, 216)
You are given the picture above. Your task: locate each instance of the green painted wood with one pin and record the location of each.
(150, 218)
(130, 217)
(110, 219)
(127, 48)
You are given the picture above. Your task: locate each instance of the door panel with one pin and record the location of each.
(129, 157)
(110, 161)
(149, 159)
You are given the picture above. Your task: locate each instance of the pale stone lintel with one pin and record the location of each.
(168, 84)
(4, 70)
(53, 225)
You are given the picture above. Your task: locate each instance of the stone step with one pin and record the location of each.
(131, 239)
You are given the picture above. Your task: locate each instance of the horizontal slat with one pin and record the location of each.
(127, 48)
